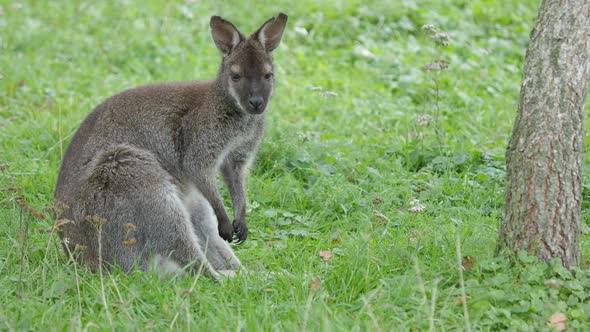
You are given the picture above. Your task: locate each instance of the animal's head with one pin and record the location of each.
(247, 70)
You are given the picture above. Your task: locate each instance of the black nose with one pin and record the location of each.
(256, 102)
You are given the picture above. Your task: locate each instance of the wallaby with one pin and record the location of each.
(140, 173)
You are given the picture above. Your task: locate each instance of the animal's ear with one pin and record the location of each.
(225, 35)
(271, 32)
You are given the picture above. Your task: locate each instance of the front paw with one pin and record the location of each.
(240, 231)
(226, 231)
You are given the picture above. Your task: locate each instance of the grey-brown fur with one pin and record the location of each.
(150, 156)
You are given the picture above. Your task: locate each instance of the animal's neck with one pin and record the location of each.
(224, 103)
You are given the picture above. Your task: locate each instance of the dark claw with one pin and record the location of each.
(240, 231)
(225, 232)
(236, 239)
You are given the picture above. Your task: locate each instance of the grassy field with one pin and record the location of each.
(377, 182)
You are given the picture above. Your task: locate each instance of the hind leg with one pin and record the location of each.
(177, 240)
(143, 214)
(218, 251)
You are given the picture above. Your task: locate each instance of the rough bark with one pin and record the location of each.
(544, 159)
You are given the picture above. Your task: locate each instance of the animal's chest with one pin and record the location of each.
(206, 147)
(235, 142)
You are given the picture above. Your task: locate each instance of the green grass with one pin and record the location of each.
(337, 171)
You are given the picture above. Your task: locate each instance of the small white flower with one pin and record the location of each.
(328, 94)
(442, 37)
(252, 206)
(363, 52)
(429, 27)
(416, 206)
(424, 120)
(301, 31)
(380, 216)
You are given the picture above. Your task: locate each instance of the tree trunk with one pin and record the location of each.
(544, 159)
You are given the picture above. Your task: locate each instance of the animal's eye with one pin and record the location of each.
(235, 77)
(268, 76)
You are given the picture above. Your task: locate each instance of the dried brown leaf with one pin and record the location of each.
(315, 284)
(558, 321)
(22, 203)
(467, 263)
(326, 255)
(37, 214)
(377, 200)
(336, 239)
(130, 227)
(96, 220)
(56, 227)
(58, 208)
(130, 243)
(11, 189)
